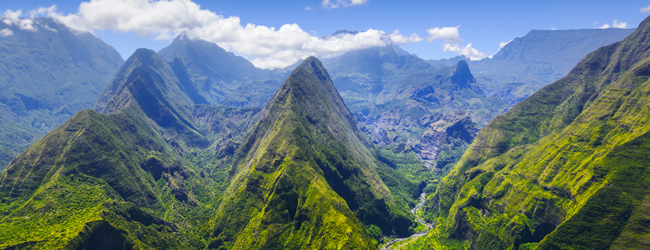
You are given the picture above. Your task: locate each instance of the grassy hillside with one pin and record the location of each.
(148, 173)
(563, 169)
(304, 178)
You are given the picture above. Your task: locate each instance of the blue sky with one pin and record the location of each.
(484, 24)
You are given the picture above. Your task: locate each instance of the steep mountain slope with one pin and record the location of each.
(566, 168)
(46, 76)
(213, 71)
(304, 178)
(143, 173)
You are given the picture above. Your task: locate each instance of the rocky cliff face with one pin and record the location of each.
(443, 141)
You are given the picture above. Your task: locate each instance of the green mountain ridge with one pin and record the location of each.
(150, 168)
(563, 169)
(47, 75)
(142, 175)
(304, 178)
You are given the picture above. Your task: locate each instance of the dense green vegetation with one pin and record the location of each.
(156, 165)
(148, 173)
(46, 76)
(154, 168)
(564, 169)
(304, 178)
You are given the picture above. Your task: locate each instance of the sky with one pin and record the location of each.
(275, 34)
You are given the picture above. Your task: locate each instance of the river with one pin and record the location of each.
(423, 198)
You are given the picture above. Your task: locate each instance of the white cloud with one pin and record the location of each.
(308, 8)
(333, 4)
(448, 34)
(466, 51)
(6, 32)
(267, 46)
(615, 24)
(398, 38)
(621, 25)
(503, 44)
(452, 37)
(13, 18)
(645, 9)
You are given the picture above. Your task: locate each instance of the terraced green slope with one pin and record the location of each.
(146, 174)
(304, 178)
(566, 168)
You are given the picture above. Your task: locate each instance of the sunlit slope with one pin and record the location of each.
(566, 166)
(304, 178)
(141, 175)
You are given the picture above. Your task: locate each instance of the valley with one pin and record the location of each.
(543, 145)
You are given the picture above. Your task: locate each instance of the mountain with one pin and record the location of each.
(361, 75)
(441, 63)
(214, 72)
(399, 99)
(566, 168)
(47, 75)
(145, 169)
(304, 177)
(528, 63)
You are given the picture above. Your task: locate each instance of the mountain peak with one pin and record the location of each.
(308, 143)
(460, 73)
(145, 56)
(314, 66)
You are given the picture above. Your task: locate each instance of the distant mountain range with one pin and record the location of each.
(399, 99)
(46, 76)
(529, 63)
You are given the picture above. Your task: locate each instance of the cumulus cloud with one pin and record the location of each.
(447, 34)
(466, 51)
(615, 24)
(6, 32)
(333, 4)
(267, 47)
(645, 9)
(503, 44)
(621, 25)
(451, 36)
(13, 18)
(397, 38)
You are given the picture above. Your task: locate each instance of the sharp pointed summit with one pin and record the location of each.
(304, 178)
